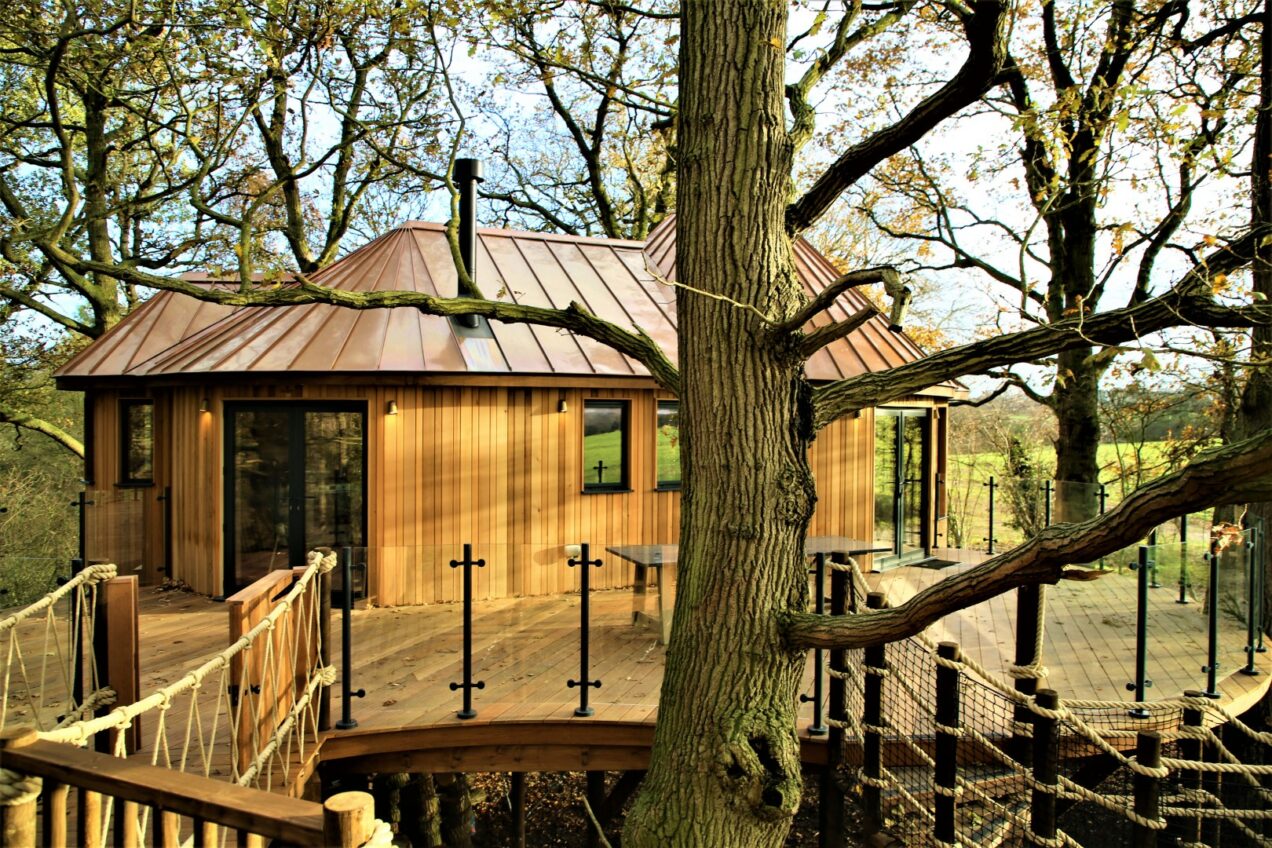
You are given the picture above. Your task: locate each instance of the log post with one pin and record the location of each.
(872, 719)
(948, 729)
(53, 832)
(517, 800)
(18, 795)
(1148, 787)
(1046, 767)
(348, 819)
(830, 808)
(596, 802)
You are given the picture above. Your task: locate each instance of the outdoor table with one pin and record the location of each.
(662, 558)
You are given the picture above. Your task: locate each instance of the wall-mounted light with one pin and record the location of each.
(392, 409)
(562, 406)
(205, 405)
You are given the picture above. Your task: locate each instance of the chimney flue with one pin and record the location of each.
(467, 176)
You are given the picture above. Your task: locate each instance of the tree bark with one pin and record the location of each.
(1076, 405)
(725, 767)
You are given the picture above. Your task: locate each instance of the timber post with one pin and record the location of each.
(874, 668)
(324, 646)
(1029, 601)
(517, 803)
(830, 807)
(18, 795)
(1148, 787)
(595, 794)
(1188, 830)
(348, 819)
(948, 731)
(467, 563)
(584, 683)
(1046, 769)
(116, 654)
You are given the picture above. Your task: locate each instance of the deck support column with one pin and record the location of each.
(595, 801)
(517, 800)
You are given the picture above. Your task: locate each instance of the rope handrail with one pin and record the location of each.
(121, 717)
(89, 576)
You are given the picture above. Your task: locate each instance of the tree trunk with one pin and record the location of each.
(1077, 411)
(725, 768)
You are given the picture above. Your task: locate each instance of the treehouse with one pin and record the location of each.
(223, 443)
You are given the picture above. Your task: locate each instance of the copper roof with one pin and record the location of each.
(174, 335)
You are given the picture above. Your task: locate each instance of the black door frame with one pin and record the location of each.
(296, 410)
(900, 414)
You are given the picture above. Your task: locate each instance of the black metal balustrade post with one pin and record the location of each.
(1212, 623)
(874, 668)
(1102, 496)
(1046, 769)
(1252, 545)
(1184, 583)
(583, 682)
(992, 485)
(830, 809)
(948, 729)
(818, 727)
(1141, 682)
(1152, 561)
(166, 500)
(1147, 787)
(347, 692)
(1028, 619)
(468, 563)
(1046, 503)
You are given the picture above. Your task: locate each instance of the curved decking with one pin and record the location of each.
(525, 650)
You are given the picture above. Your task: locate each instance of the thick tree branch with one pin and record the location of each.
(827, 296)
(575, 318)
(986, 53)
(1237, 473)
(1189, 302)
(17, 418)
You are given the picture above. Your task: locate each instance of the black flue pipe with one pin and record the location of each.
(467, 176)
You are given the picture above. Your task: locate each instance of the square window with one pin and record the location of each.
(137, 448)
(668, 444)
(605, 446)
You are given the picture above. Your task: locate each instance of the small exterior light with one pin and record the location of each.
(392, 410)
(562, 406)
(205, 405)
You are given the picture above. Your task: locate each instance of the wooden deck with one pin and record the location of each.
(525, 650)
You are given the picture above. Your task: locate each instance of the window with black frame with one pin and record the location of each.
(137, 442)
(605, 446)
(667, 454)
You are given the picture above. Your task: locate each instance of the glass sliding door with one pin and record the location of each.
(295, 481)
(900, 484)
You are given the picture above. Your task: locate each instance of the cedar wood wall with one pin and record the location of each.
(497, 466)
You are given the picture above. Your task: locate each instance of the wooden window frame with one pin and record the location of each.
(126, 480)
(661, 485)
(625, 428)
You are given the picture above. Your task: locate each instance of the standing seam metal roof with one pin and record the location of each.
(173, 334)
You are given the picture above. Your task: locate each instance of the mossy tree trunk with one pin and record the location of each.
(726, 767)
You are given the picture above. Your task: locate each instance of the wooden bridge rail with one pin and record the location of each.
(346, 820)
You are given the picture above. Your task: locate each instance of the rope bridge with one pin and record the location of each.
(43, 684)
(954, 754)
(249, 714)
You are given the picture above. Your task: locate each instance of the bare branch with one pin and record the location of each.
(822, 336)
(17, 418)
(827, 296)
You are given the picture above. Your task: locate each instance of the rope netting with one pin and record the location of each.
(1214, 773)
(249, 714)
(38, 688)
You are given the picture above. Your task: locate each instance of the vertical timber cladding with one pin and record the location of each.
(495, 465)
